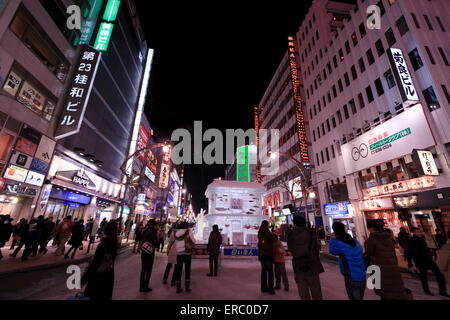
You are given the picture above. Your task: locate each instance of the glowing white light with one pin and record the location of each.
(312, 195)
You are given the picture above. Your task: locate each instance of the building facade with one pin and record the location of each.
(376, 100)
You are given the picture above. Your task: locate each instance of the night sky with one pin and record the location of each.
(213, 62)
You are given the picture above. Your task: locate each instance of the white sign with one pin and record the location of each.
(45, 150)
(149, 174)
(21, 159)
(164, 176)
(376, 204)
(35, 178)
(295, 187)
(402, 75)
(141, 197)
(16, 173)
(427, 161)
(392, 139)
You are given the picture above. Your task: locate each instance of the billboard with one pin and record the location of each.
(390, 140)
(242, 165)
(402, 76)
(295, 188)
(142, 142)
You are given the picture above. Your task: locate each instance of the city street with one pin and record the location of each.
(237, 280)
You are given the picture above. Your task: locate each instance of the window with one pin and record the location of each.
(430, 55)
(333, 122)
(333, 152)
(369, 94)
(341, 55)
(328, 125)
(362, 30)
(314, 136)
(321, 154)
(431, 99)
(327, 153)
(362, 66)
(310, 114)
(329, 68)
(440, 24)
(389, 79)
(335, 61)
(416, 60)
(323, 129)
(346, 79)
(318, 133)
(354, 74)
(353, 106)
(334, 91)
(428, 22)
(341, 88)
(325, 74)
(354, 39)
(379, 87)
(381, 6)
(444, 88)
(361, 100)
(444, 58)
(318, 103)
(317, 159)
(416, 22)
(402, 26)
(347, 47)
(370, 57)
(329, 96)
(390, 38)
(339, 116)
(315, 110)
(346, 114)
(26, 29)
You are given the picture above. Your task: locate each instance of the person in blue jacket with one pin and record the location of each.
(351, 261)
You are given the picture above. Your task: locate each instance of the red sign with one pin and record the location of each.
(142, 142)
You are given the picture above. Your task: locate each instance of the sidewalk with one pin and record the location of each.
(10, 265)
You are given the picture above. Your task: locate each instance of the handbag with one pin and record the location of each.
(303, 263)
(147, 247)
(189, 246)
(107, 263)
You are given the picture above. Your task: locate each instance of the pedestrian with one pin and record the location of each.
(266, 240)
(55, 235)
(351, 261)
(149, 243)
(440, 238)
(102, 227)
(99, 276)
(184, 242)
(17, 231)
(213, 247)
(44, 236)
(303, 245)
(404, 241)
(138, 238)
(380, 251)
(23, 237)
(443, 261)
(171, 257)
(6, 230)
(423, 260)
(280, 267)
(34, 231)
(63, 232)
(76, 240)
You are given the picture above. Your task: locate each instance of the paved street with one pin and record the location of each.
(238, 279)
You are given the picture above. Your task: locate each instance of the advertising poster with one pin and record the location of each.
(26, 146)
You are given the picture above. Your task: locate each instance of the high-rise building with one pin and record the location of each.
(377, 104)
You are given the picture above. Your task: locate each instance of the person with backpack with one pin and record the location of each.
(99, 276)
(351, 261)
(149, 243)
(303, 245)
(266, 241)
(280, 267)
(214, 243)
(184, 242)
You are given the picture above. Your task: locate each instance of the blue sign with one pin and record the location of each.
(242, 252)
(70, 196)
(336, 209)
(39, 166)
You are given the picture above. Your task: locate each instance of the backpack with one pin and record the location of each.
(303, 263)
(188, 243)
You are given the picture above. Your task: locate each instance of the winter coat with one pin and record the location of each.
(138, 234)
(379, 247)
(64, 229)
(5, 232)
(77, 235)
(278, 252)
(172, 249)
(180, 239)
(149, 235)
(299, 240)
(404, 240)
(443, 261)
(353, 257)
(100, 285)
(214, 242)
(420, 252)
(266, 240)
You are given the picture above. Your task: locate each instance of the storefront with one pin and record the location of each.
(342, 212)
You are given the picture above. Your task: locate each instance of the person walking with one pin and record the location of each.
(34, 231)
(443, 260)
(266, 240)
(213, 247)
(6, 230)
(76, 240)
(171, 257)
(63, 232)
(184, 242)
(99, 276)
(55, 242)
(424, 262)
(404, 241)
(380, 251)
(280, 267)
(17, 231)
(351, 261)
(23, 237)
(149, 243)
(303, 245)
(102, 227)
(138, 238)
(44, 236)
(440, 238)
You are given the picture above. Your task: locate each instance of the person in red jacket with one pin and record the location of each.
(280, 267)
(63, 231)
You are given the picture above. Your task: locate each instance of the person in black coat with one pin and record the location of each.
(44, 236)
(424, 262)
(149, 243)
(23, 237)
(76, 240)
(34, 230)
(17, 231)
(6, 229)
(99, 276)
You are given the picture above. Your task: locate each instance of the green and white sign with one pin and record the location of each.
(112, 8)
(103, 36)
(243, 166)
(89, 23)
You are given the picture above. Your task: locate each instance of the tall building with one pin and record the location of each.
(244, 169)
(374, 96)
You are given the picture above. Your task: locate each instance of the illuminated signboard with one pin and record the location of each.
(89, 22)
(425, 162)
(336, 209)
(402, 76)
(242, 165)
(149, 174)
(295, 188)
(103, 36)
(142, 142)
(16, 173)
(112, 8)
(295, 77)
(35, 178)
